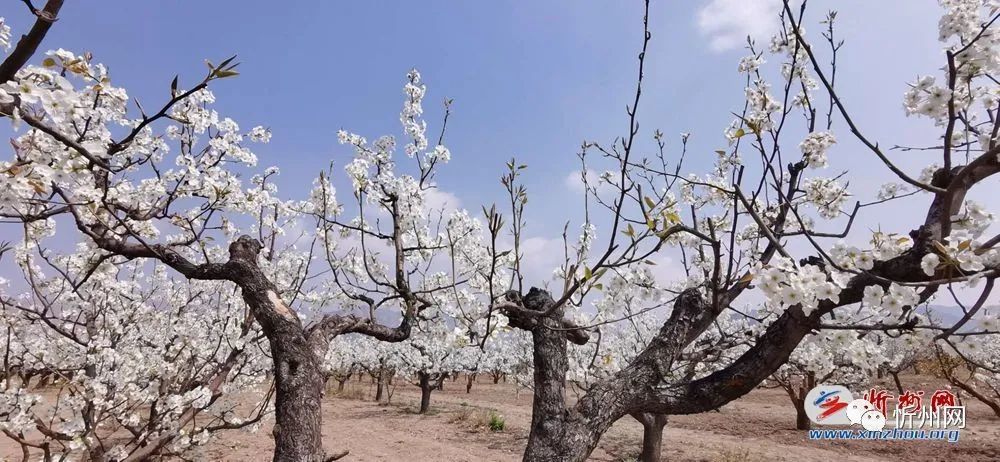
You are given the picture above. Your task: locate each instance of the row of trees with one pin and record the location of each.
(177, 397)
(768, 245)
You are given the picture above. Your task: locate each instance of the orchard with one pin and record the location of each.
(161, 292)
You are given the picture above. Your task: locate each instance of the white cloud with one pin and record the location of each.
(666, 271)
(574, 182)
(540, 257)
(727, 23)
(436, 199)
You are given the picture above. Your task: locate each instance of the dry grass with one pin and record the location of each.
(478, 418)
(737, 455)
(350, 392)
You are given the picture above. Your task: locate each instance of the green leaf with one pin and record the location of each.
(227, 61)
(739, 133)
(649, 202)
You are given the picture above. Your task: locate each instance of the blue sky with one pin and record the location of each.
(529, 79)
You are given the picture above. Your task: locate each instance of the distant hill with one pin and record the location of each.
(947, 315)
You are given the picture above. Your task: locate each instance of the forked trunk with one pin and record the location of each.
(557, 433)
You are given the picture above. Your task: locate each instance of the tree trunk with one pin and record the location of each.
(548, 405)
(496, 379)
(468, 384)
(652, 435)
(895, 379)
(425, 391)
(561, 434)
(557, 433)
(298, 420)
(298, 381)
(993, 404)
(341, 383)
(380, 388)
(802, 421)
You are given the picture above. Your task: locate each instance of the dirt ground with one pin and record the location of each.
(756, 428)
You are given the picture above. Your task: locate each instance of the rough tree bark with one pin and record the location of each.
(559, 433)
(297, 378)
(296, 351)
(548, 439)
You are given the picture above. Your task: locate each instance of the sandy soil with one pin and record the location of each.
(756, 428)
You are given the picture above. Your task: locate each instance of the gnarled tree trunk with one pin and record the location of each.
(296, 352)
